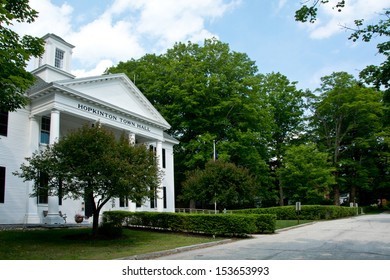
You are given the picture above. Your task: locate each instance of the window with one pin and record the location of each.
(59, 59)
(165, 197)
(60, 192)
(2, 184)
(3, 123)
(45, 130)
(42, 189)
(153, 200)
(123, 202)
(163, 158)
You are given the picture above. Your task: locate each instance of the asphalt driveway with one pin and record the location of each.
(365, 237)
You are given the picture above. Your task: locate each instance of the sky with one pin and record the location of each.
(105, 32)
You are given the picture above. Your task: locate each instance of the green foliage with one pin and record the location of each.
(206, 93)
(378, 76)
(346, 121)
(221, 182)
(308, 212)
(211, 93)
(15, 52)
(309, 12)
(285, 106)
(306, 174)
(220, 224)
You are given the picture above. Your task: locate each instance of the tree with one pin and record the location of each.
(206, 93)
(91, 164)
(347, 119)
(222, 183)
(15, 51)
(285, 105)
(306, 174)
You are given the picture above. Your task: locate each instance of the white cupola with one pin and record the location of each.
(55, 63)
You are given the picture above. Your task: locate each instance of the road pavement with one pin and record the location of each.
(365, 237)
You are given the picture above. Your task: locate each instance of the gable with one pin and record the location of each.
(118, 91)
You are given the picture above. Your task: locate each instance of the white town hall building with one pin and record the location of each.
(59, 102)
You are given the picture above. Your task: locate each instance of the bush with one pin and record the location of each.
(219, 224)
(308, 212)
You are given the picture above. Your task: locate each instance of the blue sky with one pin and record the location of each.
(105, 32)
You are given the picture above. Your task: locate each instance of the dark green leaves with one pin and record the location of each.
(15, 51)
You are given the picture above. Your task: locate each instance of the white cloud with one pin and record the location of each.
(98, 70)
(331, 21)
(126, 29)
(51, 19)
(281, 4)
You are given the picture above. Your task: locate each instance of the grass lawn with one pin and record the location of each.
(289, 223)
(75, 244)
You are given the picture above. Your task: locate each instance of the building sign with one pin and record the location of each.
(112, 117)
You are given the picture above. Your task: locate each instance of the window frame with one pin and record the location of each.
(45, 130)
(42, 192)
(2, 183)
(59, 58)
(4, 118)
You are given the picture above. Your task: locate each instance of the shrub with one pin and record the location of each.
(308, 212)
(219, 224)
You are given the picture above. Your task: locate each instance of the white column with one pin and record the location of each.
(53, 216)
(132, 205)
(160, 201)
(32, 215)
(131, 138)
(54, 126)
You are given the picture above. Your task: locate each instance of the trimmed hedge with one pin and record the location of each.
(308, 212)
(219, 224)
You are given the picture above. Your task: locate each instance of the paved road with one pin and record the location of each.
(364, 237)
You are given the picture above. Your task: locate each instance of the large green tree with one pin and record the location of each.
(222, 183)
(89, 163)
(307, 174)
(206, 92)
(285, 106)
(15, 52)
(347, 120)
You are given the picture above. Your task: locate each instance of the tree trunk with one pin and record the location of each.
(95, 222)
(336, 190)
(281, 194)
(352, 197)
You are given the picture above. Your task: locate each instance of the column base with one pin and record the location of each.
(53, 219)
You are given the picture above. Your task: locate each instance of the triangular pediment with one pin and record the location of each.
(117, 91)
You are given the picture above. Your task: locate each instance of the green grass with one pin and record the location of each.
(76, 244)
(289, 223)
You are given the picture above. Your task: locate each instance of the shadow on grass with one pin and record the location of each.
(77, 244)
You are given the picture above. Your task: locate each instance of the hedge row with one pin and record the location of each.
(308, 212)
(219, 224)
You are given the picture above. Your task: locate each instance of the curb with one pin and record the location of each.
(154, 255)
(293, 227)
